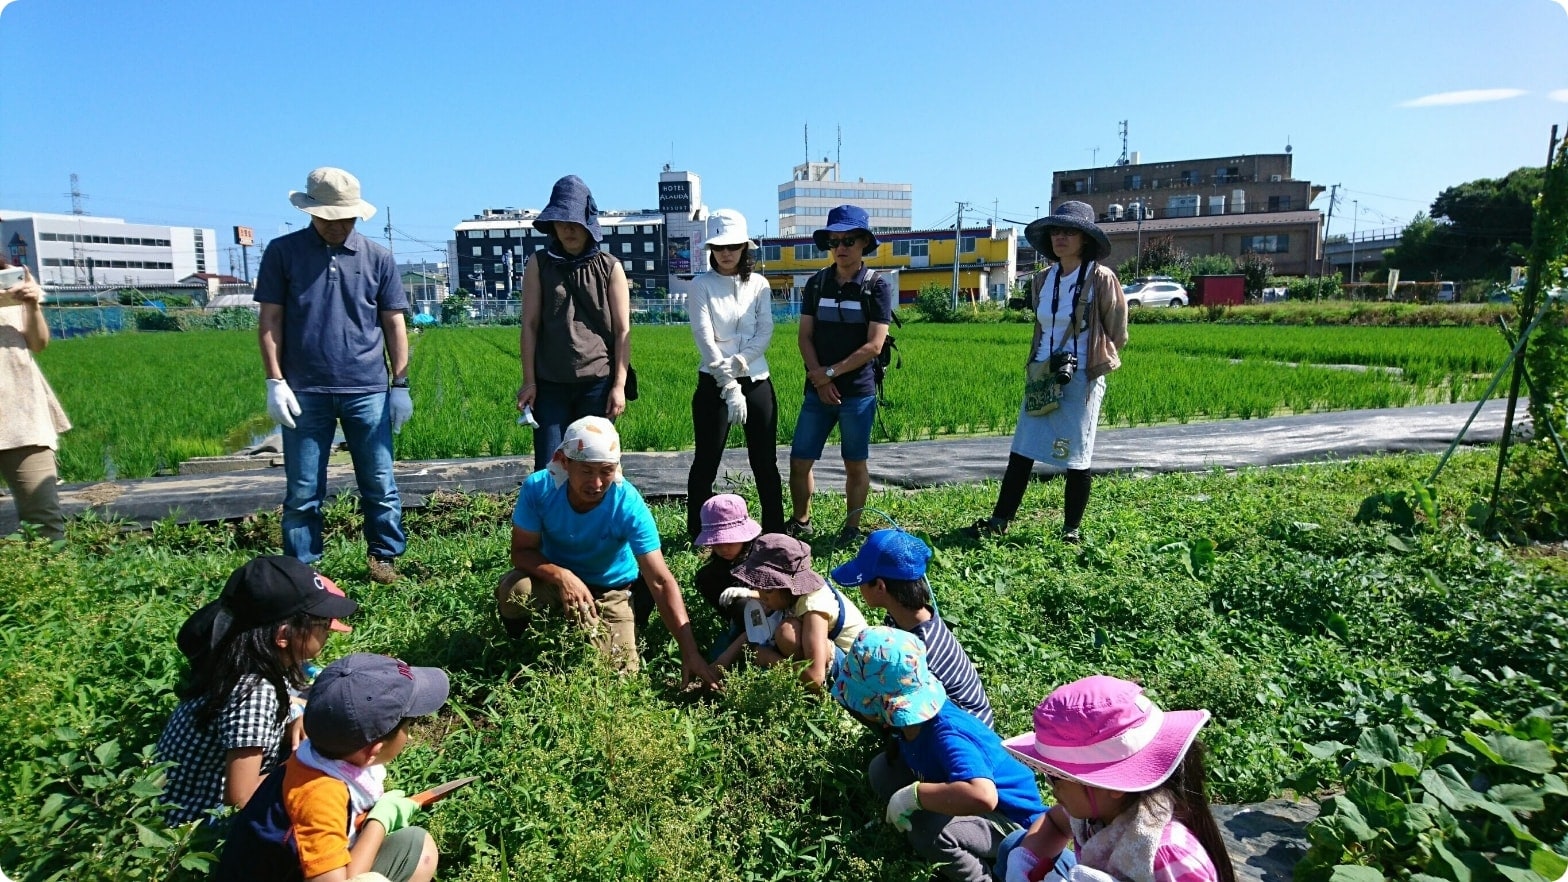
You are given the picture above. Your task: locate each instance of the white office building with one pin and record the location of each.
(79, 249)
(815, 188)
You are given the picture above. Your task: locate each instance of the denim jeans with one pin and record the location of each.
(1064, 862)
(558, 405)
(367, 427)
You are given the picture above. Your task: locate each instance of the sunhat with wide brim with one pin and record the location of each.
(332, 194)
(842, 220)
(571, 200)
(884, 676)
(725, 520)
(1104, 732)
(1068, 216)
(728, 227)
(779, 563)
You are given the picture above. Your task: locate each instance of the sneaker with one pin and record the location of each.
(514, 628)
(985, 527)
(381, 570)
(797, 529)
(847, 535)
(1072, 537)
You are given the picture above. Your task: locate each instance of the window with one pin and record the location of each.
(967, 245)
(1188, 178)
(500, 269)
(1132, 182)
(1277, 244)
(919, 248)
(626, 265)
(647, 248)
(647, 266)
(498, 234)
(1077, 186)
(770, 252)
(1279, 203)
(478, 250)
(495, 250)
(806, 252)
(901, 248)
(647, 229)
(116, 240)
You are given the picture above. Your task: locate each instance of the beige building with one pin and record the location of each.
(1221, 205)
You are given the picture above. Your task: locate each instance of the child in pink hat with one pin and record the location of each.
(727, 532)
(1129, 787)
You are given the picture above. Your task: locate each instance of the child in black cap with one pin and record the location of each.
(247, 649)
(305, 820)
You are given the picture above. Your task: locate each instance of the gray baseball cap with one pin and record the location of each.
(361, 698)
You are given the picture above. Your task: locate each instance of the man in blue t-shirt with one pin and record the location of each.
(843, 324)
(583, 541)
(331, 318)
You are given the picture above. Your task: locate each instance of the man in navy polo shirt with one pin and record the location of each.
(331, 318)
(843, 323)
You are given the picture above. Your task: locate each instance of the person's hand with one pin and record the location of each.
(616, 404)
(394, 811)
(738, 367)
(721, 372)
(830, 394)
(526, 396)
(819, 377)
(1020, 863)
(282, 406)
(694, 667)
(576, 599)
(903, 803)
(735, 595)
(26, 292)
(401, 407)
(735, 403)
(1081, 873)
(296, 733)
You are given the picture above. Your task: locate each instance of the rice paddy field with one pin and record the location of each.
(143, 403)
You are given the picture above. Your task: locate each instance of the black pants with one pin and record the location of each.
(1016, 480)
(711, 424)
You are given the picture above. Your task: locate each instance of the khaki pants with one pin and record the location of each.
(30, 473)
(614, 634)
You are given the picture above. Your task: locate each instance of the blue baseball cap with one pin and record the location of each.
(843, 219)
(887, 554)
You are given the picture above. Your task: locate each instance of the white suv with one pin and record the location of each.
(1156, 291)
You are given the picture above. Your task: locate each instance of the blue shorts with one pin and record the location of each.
(853, 416)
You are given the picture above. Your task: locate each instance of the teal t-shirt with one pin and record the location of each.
(600, 546)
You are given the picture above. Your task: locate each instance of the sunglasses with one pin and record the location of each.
(1060, 232)
(849, 242)
(726, 247)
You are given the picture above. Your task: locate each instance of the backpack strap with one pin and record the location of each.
(838, 626)
(867, 290)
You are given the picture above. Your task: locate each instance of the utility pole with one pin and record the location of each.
(1355, 216)
(1333, 196)
(1125, 159)
(389, 230)
(958, 241)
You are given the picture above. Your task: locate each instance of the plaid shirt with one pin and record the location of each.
(249, 719)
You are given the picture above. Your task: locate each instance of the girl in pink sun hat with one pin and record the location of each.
(1129, 788)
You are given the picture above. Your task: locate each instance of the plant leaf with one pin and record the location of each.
(1519, 797)
(1355, 873)
(1548, 863)
(1506, 750)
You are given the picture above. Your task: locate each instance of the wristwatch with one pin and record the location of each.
(830, 372)
(400, 382)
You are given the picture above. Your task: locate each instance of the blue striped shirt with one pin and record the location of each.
(952, 668)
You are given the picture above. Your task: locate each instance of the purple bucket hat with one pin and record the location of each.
(1105, 732)
(779, 563)
(724, 520)
(884, 676)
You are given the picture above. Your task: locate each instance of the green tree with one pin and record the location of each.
(1475, 230)
(454, 309)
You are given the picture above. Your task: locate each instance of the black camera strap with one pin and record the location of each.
(1056, 301)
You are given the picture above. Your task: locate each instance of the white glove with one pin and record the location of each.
(1019, 862)
(401, 407)
(735, 400)
(903, 804)
(282, 406)
(738, 366)
(1081, 873)
(721, 372)
(736, 595)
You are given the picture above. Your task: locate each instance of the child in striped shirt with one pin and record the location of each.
(1129, 787)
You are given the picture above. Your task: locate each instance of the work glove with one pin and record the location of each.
(282, 406)
(738, 366)
(394, 811)
(736, 595)
(401, 407)
(1020, 863)
(904, 803)
(735, 401)
(1081, 873)
(721, 373)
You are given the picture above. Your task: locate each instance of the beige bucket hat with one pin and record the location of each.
(332, 194)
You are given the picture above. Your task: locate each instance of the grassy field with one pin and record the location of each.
(144, 402)
(1256, 595)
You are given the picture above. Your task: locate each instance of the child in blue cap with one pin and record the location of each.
(963, 793)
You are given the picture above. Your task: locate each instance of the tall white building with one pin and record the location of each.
(79, 249)
(815, 188)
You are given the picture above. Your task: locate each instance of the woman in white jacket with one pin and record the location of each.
(732, 321)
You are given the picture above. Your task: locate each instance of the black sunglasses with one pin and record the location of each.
(727, 247)
(850, 242)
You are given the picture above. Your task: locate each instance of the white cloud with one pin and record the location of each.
(1463, 96)
(1562, 3)
(1559, 94)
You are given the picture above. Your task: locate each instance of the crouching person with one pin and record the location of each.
(962, 793)
(324, 816)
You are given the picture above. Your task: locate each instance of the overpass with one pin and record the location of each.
(1364, 248)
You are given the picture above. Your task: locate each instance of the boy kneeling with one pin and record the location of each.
(302, 824)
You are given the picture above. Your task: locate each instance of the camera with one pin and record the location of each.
(1063, 366)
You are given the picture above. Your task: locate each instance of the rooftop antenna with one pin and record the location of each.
(1287, 143)
(1124, 160)
(77, 195)
(805, 132)
(838, 153)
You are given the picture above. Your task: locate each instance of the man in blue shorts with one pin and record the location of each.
(584, 542)
(843, 323)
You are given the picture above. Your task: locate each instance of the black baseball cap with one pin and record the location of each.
(264, 591)
(359, 699)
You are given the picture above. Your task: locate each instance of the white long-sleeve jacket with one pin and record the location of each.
(731, 317)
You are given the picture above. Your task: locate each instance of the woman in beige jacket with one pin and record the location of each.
(1079, 324)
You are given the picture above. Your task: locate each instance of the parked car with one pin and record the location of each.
(1156, 291)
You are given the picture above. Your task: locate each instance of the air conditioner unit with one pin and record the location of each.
(1274, 179)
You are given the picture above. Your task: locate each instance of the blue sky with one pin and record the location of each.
(208, 113)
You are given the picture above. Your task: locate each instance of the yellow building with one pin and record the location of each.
(987, 262)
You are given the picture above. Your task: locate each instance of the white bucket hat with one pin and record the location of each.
(332, 194)
(728, 227)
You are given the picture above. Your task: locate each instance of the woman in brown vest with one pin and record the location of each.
(576, 340)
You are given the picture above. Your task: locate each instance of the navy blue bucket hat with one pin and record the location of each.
(570, 200)
(842, 220)
(1069, 216)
